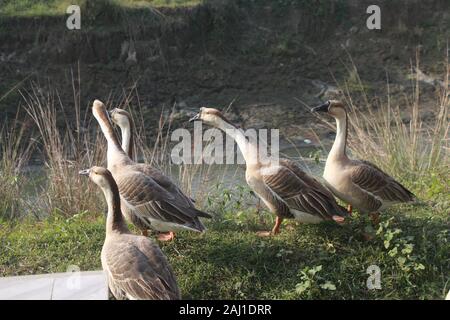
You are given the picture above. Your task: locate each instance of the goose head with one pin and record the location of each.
(120, 117)
(100, 176)
(99, 111)
(210, 116)
(334, 108)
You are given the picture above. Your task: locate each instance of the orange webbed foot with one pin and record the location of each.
(169, 236)
(338, 219)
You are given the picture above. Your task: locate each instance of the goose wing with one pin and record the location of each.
(156, 174)
(149, 199)
(138, 189)
(301, 191)
(372, 179)
(272, 200)
(166, 183)
(137, 268)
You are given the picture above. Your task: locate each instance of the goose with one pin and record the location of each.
(135, 266)
(359, 183)
(283, 187)
(145, 190)
(123, 119)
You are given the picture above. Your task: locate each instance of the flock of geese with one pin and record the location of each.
(135, 265)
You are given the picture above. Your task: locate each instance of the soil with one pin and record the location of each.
(261, 58)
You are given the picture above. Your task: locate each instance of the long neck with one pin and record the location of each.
(127, 140)
(338, 151)
(248, 149)
(114, 220)
(115, 153)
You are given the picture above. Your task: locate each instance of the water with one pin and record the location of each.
(229, 175)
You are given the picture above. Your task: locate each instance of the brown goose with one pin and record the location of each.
(284, 188)
(125, 122)
(123, 119)
(145, 190)
(359, 183)
(135, 266)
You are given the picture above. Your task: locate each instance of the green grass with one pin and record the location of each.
(230, 262)
(32, 8)
(35, 8)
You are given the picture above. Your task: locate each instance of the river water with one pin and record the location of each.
(230, 175)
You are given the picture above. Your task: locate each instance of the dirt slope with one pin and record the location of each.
(259, 55)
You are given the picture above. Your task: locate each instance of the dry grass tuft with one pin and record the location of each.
(394, 136)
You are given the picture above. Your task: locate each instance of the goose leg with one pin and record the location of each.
(350, 209)
(375, 217)
(145, 233)
(275, 229)
(258, 206)
(338, 219)
(166, 236)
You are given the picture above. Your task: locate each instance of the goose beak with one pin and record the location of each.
(196, 117)
(322, 108)
(84, 172)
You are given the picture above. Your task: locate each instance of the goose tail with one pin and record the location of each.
(198, 226)
(202, 214)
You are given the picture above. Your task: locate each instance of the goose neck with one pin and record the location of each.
(127, 140)
(247, 148)
(114, 220)
(338, 151)
(115, 153)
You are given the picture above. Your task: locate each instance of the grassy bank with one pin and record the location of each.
(36, 8)
(411, 247)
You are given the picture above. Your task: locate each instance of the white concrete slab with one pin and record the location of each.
(90, 285)
(16, 288)
(81, 286)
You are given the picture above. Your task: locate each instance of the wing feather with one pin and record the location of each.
(372, 179)
(154, 197)
(301, 191)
